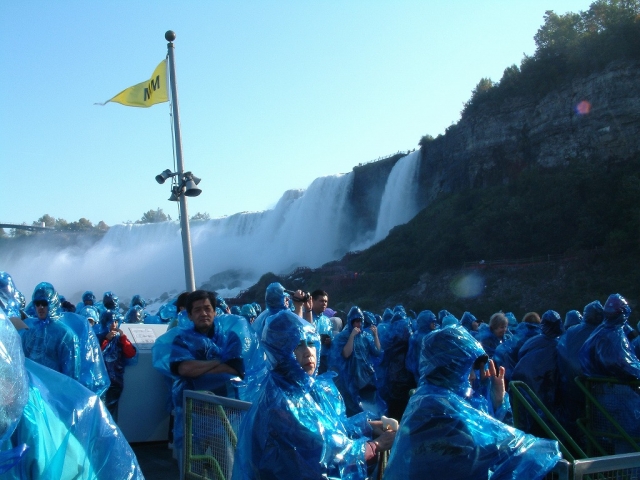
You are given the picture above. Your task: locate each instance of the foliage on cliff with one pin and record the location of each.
(567, 46)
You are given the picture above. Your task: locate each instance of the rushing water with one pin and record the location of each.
(306, 228)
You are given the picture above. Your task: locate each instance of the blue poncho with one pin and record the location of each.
(52, 427)
(297, 427)
(443, 436)
(357, 373)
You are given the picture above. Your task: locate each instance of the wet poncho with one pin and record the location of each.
(572, 318)
(569, 345)
(538, 361)
(357, 375)
(87, 296)
(395, 380)
(442, 435)
(506, 354)
(412, 360)
(10, 297)
(54, 428)
(65, 343)
(297, 427)
(467, 320)
(231, 341)
(607, 352)
(274, 300)
(489, 341)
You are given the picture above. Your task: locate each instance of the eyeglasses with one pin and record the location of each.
(41, 303)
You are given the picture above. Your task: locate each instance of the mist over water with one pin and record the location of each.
(306, 228)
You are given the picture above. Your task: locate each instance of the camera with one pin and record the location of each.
(295, 298)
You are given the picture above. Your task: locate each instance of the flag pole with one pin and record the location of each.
(170, 36)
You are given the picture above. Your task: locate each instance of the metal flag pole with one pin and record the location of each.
(170, 36)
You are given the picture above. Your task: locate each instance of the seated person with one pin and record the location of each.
(297, 426)
(448, 432)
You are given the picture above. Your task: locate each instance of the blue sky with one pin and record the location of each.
(272, 94)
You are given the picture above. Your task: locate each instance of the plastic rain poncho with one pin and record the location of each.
(10, 298)
(232, 339)
(506, 354)
(274, 300)
(572, 318)
(394, 379)
(87, 296)
(467, 320)
(538, 361)
(443, 436)
(297, 427)
(569, 345)
(65, 427)
(65, 343)
(412, 361)
(357, 380)
(607, 353)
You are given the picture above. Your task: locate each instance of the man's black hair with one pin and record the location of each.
(200, 295)
(181, 301)
(318, 293)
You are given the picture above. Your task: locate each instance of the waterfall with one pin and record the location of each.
(305, 228)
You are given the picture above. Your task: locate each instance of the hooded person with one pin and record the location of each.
(48, 341)
(394, 379)
(274, 299)
(607, 353)
(569, 346)
(297, 428)
(470, 322)
(117, 352)
(88, 300)
(572, 318)
(64, 341)
(353, 356)
(447, 432)
(538, 361)
(11, 299)
(51, 427)
(426, 319)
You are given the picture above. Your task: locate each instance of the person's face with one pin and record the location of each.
(500, 330)
(357, 323)
(42, 308)
(320, 304)
(88, 301)
(113, 327)
(202, 315)
(91, 321)
(306, 356)
(474, 326)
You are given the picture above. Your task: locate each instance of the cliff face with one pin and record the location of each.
(493, 145)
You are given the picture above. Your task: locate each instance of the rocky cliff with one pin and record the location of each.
(590, 119)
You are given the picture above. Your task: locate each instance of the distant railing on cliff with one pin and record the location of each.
(525, 261)
(379, 159)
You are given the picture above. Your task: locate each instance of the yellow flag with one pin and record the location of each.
(146, 93)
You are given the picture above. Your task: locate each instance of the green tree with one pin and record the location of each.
(426, 139)
(102, 226)
(200, 216)
(47, 220)
(61, 224)
(154, 216)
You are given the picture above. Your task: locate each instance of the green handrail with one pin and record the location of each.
(514, 389)
(591, 400)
